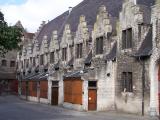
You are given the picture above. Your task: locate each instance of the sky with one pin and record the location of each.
(31, 13)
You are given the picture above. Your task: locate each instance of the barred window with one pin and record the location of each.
(127, 81)
(99, 45)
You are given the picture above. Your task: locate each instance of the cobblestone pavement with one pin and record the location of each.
(12, 108)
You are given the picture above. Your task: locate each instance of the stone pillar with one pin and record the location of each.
(153, 88)
(49, 91)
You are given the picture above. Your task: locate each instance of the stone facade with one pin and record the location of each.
(116, 56)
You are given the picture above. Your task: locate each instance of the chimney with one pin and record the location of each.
(70, 9)
(135, 2)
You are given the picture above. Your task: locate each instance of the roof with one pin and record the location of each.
(89, 58)
(112, 53)
(73, 74)
(55, 24)
(70, 62)
(146, 46)
(29, 35)
(88, 8)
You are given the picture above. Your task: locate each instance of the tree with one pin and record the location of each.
(10, 36)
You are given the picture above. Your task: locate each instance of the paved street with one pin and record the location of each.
(12, 108)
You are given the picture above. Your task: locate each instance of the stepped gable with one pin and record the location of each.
(55, 24)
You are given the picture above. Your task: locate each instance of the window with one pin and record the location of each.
(4, 63)
(12, 64)
(92, 84)
(22, 64)
(127, 38)
(31, 62)
(55, 83)
(127, 81)
(64, 54)
(27, 63)
(34, 61)
(79, 50)
(41, 59)
(99, 45)
(52, 57)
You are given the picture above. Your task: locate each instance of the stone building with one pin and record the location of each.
(8, 81)
(102, 55)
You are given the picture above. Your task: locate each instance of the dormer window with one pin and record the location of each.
(79, 50)
(99, 45)
(64, 54)
(52, 57)
(127, 38)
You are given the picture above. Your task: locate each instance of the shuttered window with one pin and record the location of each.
(127, 84)
(79, 50)
(44, 89)
(73, 91)
(127, 38)
(32, 88)
(99, 45)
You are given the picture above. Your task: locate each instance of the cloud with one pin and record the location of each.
(33, 12)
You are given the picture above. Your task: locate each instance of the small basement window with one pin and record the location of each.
(92, 84)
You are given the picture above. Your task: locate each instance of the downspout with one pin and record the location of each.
(143, 83)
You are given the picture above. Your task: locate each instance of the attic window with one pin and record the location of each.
(79, 50)
(52, 57)
(41, 59)
(34, 61)
(127, 38)
(64, 54)
(99, 45)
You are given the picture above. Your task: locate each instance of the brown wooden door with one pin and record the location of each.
(92, 99)
(54, 95)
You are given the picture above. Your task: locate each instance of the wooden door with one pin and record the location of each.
(54, 96)
(92, 99)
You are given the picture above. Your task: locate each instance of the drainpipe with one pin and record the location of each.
(143, 83)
